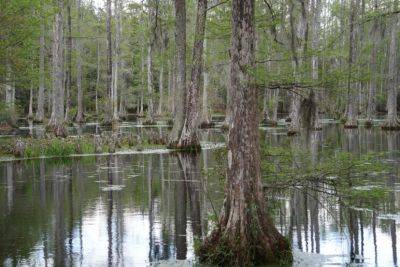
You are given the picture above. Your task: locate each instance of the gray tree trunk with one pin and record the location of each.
(392, 122)
(161, 90)
(205, 114)
(109, 112)
(79, 115)
(352, 85)
(189, 136)
(68, 72)
(117, 62)
(180, 88)
(315, 94)
(142, 71)
(30, 109)
(97, 79)
(41, 97)
(371, 105)
(243, 215)
(56, 122)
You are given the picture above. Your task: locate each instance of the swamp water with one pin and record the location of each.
(146, 208)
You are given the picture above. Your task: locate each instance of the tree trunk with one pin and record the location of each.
(180, 88)
(30, 109)
(189, 137)
(68, 73)
(142, 66)
(56, 122)
(117, 63)
(245, 234)
(79, 115)
(40, 97)
(205, 114)
(371, 105)
(352, 85)
(315, 94)
(97, 79)
(392, 122)
(109, 112)
(161, 90)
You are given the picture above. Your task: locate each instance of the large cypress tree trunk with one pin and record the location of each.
(371, 105)
(352, 85)
(56, 122)
(189, 138)
(40, 98)
(79, 115)
(180, 88)
(392, 122)
(245, 234)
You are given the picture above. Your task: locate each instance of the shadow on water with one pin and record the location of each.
(119, 210)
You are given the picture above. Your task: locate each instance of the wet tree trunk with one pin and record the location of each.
(392, 122)
(40, 98)
(79, 115)
(189, 137)
(180, 88)
(315, 94)
(371, 105)
(245, 235)
(352, 85)
(109, 112)
(56, 122)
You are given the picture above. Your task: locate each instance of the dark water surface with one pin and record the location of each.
(142, 209)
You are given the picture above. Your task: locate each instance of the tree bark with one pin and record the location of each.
(352, 85)
(205, 111)
(30, 109)
(40, 98)
(371, 105)
(79, 115)
(68, 72)
(56, 122)
(180, 88)
(117, 62)
(315, 94)
(392, 122)
(245, 234)
(189, 137)
(161, 90)
(109, 112)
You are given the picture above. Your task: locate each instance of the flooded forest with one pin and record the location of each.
(199, 133)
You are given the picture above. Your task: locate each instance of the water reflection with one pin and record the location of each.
(142, 209)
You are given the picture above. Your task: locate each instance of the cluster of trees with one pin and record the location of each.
(72, 60)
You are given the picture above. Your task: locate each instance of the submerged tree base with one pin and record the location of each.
(59, 130)
(207, 125)
(351, 126)
(292, 132)
(368, 124)
(271, 123)
(263, 246)
(392, 125)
